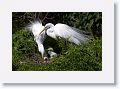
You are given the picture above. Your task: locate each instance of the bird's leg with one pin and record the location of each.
(42, 50)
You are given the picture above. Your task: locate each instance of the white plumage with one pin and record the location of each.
(36, 28)
(51, 53)
(64, 31)
(55, 31)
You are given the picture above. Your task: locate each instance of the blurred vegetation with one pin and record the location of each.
(85, 57)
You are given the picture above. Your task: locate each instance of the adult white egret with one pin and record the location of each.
(36, 28)
(66, 32)
(59, 30)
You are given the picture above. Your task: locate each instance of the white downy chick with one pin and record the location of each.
(51, 53)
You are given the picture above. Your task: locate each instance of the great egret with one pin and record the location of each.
(66, 32)
(36, 28)
(58, 31)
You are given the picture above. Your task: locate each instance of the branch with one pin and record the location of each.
(49, 18)
(45, 17)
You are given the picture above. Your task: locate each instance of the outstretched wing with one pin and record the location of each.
(69, 33)
(81, 31)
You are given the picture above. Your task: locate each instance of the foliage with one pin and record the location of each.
(88, 21)
(85, 57)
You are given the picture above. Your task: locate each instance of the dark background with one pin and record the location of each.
(88, 21)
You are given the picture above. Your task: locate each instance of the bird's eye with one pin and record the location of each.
(48, 27)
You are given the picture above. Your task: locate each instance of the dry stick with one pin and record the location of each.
(30, 21)
(24, 15)
(29, 17)
(35, 15)
(39, 17)
(45, 16)
(49, 18)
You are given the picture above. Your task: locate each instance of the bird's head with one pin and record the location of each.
(47, 26)
(50, 49)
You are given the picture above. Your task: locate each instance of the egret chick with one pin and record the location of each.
(51, 53)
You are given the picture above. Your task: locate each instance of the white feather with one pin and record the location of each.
(66, 32)
(36, 28)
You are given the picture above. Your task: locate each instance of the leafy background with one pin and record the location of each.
(85, 57)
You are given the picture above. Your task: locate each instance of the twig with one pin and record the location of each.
(30, 21)
(49, 18)
(45, 17)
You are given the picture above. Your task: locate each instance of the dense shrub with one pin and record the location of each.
(85, 57)
(88, 21)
